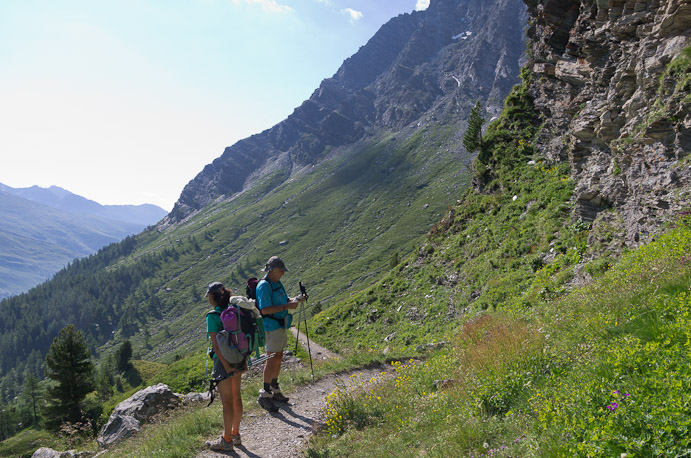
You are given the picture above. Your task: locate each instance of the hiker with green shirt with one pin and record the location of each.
(226, 374)
(274, 303)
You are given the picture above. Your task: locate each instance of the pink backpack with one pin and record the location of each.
(231, 319)
(245, 332)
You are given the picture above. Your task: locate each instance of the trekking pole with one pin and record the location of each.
(307, 334)
(297, 336)
(297, 339)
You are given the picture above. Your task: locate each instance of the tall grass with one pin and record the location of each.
(497, 358)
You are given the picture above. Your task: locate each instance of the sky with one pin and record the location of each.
(125, 101)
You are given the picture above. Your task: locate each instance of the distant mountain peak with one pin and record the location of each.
(412, 69)
(62, 199)
(71, 227)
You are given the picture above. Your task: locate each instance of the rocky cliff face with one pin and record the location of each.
(615, 108)
(422, 67)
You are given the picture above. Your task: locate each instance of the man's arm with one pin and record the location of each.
(290, 305)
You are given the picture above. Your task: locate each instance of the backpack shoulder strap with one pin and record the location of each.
(273, 290)
(213, 312)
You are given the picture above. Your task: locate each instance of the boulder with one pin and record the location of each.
(195, 398)
(118, 427)
(148, 402)
(430, 346)
(138, 409)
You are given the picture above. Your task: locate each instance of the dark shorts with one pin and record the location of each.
(219, 372)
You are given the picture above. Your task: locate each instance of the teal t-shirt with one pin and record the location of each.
(213, 322)
(269, 294)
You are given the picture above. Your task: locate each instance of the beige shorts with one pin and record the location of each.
(276, 341)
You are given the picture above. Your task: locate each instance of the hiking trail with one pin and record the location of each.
(284, 434)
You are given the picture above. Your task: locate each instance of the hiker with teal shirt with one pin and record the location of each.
(227, 375)
(274, 303)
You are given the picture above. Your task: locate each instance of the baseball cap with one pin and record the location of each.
(213, 287)
(275, 261)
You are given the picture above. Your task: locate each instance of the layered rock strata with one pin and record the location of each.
(616, 107)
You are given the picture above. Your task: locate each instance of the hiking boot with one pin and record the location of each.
(221, 445)
(236, 439)
(267, 404)
(278, 396)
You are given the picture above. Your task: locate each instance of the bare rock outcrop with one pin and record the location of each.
(136, 410)
(613, 108)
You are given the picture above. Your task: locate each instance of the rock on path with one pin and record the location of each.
(284, 434)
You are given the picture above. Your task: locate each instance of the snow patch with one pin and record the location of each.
(462, 36)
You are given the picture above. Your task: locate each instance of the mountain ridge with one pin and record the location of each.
(62, 199)
(389, 83)
(41, 238)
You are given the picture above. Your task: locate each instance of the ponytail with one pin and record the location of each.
(221, 297)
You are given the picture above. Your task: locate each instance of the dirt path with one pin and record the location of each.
(284, 434)
(318, 352)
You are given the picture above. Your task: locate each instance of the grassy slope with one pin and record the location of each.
(25, 262)
(483, 254)
(533, 367)
(342, 223)
(38, 240)
(599, 372)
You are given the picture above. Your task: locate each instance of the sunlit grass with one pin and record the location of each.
(600, 372)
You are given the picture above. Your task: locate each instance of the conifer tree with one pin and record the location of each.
(472, 140)
(69, 364)
(32, 393)
(104, 387)
(4, 422)
(395, 260)
(123, 357)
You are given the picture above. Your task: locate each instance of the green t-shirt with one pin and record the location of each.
(213, 322)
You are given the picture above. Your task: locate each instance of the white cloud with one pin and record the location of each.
(422, 5)
(269, 6)
(354, 14)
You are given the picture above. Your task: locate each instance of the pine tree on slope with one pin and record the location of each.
(69, 364)
(472, 139)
